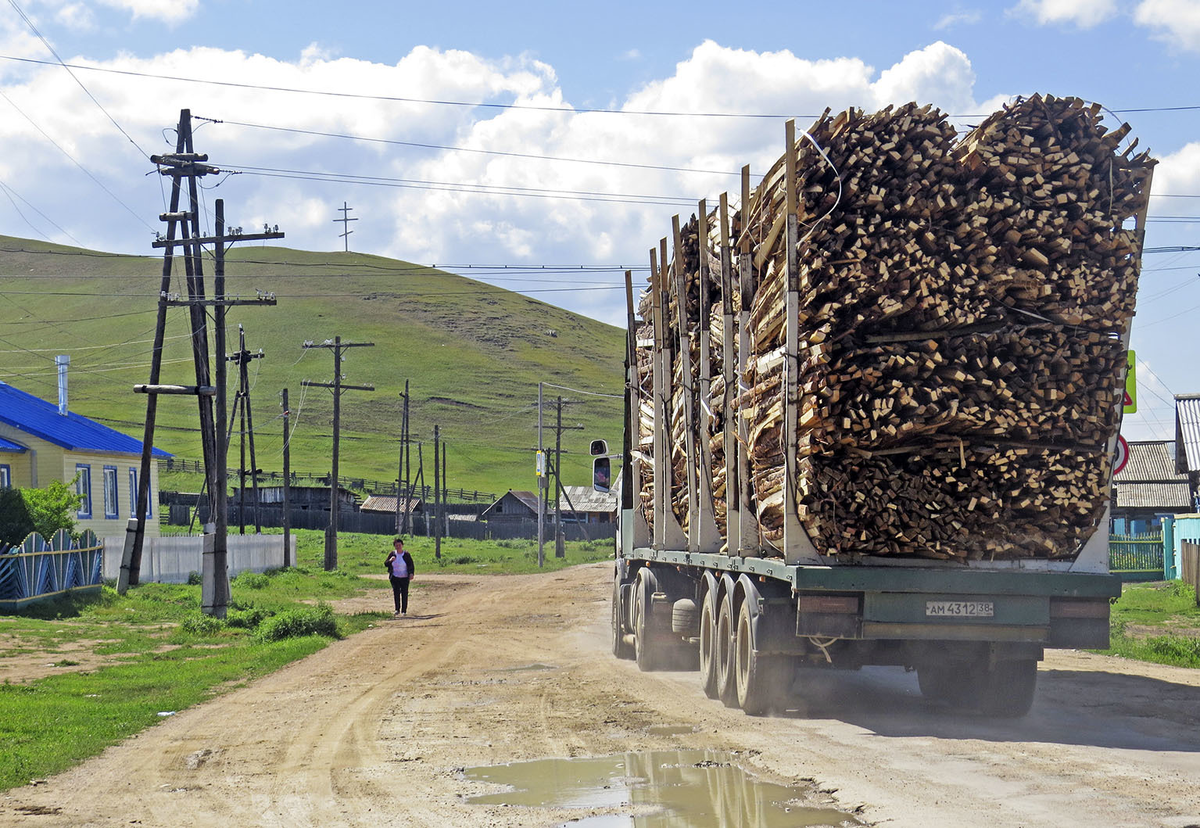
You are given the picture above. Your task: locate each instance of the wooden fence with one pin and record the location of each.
(1190, 564)
(38, 569)
(1136, 557)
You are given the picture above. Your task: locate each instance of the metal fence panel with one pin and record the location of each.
(38, 569)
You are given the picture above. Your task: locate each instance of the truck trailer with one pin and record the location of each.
(870, 415)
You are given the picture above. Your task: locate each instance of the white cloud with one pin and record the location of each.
(958, 18)
(75, 16)
(174, 11)
(1082, 13)
(1178, 173)
(439, 225)
(1175, 21)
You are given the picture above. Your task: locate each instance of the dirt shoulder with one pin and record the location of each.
(375, 729)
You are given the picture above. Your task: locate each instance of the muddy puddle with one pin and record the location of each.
(655, 789)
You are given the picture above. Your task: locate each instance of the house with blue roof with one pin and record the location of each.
(41, 442)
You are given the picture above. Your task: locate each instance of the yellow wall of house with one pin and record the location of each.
(53, 462)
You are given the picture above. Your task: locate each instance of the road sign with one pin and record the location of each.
(1121, 455)
(1130, 383)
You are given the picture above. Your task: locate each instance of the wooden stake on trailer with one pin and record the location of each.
(666, 528)
(748, 534)
(688, 381)
(797, 548)
(631, 473)
(733, 523)
(708, 536)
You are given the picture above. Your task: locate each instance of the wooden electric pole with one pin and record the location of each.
(186, 163)
(337, 346)
(241, 406)
(437, 496)
(287, 483)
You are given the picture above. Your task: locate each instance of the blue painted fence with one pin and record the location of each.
(1136, 557)
(38, 569)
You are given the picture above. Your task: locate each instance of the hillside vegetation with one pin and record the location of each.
(473, 355)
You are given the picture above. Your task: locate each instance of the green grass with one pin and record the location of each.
(473, 353)
(1157, 622)
(162, 655)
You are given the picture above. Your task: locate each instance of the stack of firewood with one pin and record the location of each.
(961, 306)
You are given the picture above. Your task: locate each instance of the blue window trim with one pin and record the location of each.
(5, 476)
(133, 473)
(111, 510)
(83, 487)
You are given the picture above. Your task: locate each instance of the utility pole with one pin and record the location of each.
(560, 550)
(241, 403)
(541, 486)
(287, 483)
(186, 163)
(403, 490)
(337, 346)
(437, 496)
(345, 220)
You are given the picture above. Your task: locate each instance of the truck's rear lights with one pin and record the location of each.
(1074, 608)
(847, 604)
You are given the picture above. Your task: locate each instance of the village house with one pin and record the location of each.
(41, 442)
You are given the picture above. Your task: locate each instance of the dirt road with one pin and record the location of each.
(375, 730)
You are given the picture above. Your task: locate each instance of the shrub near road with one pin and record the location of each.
(80, 675)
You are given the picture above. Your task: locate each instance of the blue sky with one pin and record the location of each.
(752, 58)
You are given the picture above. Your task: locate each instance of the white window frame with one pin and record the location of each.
(83, 488)
(112, 502)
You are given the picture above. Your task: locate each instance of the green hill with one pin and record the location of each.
(473, 355)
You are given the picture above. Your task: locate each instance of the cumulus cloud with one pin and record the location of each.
(410, 200)
(1179, 172)
(1082, 13)
(1175, 21)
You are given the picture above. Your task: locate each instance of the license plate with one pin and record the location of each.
(960, 609)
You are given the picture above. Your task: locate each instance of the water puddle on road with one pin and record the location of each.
(655, 789)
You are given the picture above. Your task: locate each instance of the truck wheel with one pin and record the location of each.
(620, 647)
(943, 682)
(647, 651)
(762, 681)
(709, 660)
(1006, 690)
(726, 646)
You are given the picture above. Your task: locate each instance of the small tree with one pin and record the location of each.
(15, 522)
(52, 508)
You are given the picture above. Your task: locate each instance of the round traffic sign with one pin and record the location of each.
(1121, 455)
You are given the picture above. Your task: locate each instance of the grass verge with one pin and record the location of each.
(131, 659)
(1157, 622)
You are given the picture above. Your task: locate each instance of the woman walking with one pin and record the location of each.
(400, 572)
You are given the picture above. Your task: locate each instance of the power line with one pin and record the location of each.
(46, 43)
(70, 157)
(475, 150)
(483, 105)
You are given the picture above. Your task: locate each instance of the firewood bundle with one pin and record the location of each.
(961, 302)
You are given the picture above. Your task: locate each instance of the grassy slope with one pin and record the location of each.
(473, 354)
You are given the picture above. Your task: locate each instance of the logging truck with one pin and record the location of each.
(819, 472)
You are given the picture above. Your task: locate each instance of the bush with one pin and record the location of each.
(200, 624)
(248, 618)
(52, 508)
(15, 522)
(195, 579)
(318, 620)
(252, 580)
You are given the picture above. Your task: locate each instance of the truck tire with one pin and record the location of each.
(709, 661)
(726, 646)
(620, 647)
(943, 682)
(762, 681)
(1006, 690)
(648, 649)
